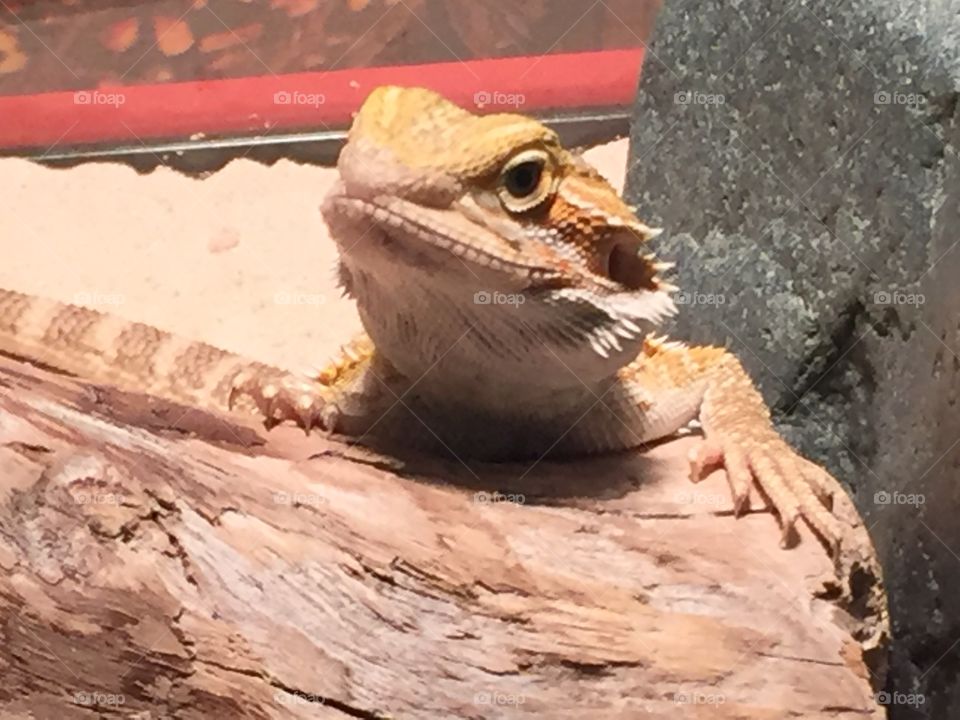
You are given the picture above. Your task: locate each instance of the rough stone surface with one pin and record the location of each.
(803, 157)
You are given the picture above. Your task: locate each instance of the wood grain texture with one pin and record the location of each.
(166, 562)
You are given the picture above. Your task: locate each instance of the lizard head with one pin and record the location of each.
(449, 222)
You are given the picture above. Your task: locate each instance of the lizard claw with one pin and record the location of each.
(280, 397)
(796, 487)
(711, 454)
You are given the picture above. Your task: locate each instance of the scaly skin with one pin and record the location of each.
(434, 206)
(133, 356)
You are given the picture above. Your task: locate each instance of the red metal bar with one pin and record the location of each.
(314, 100)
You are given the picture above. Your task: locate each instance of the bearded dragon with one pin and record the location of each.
(511, 310)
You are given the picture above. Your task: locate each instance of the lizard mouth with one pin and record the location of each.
(626, 266)
(628, 262)
(412, 228)
(622, 270)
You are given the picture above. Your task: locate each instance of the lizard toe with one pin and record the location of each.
(775, 483)
(714, 453)
(795, 488)
(284, 398)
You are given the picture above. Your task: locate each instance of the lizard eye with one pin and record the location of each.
(526, 181)
(523, 179)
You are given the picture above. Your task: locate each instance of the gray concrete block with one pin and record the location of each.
(803, 157)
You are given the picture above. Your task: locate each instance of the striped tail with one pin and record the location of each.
(106, 349)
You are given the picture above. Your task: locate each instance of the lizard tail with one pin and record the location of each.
(107, 349)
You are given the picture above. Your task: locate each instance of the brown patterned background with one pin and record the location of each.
(73, 44)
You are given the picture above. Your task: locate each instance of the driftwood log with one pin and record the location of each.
(162, 562)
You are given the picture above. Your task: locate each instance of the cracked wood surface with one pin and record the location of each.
(165, 561)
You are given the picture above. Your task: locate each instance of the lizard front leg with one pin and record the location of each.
(349, 395)
(739, 435)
